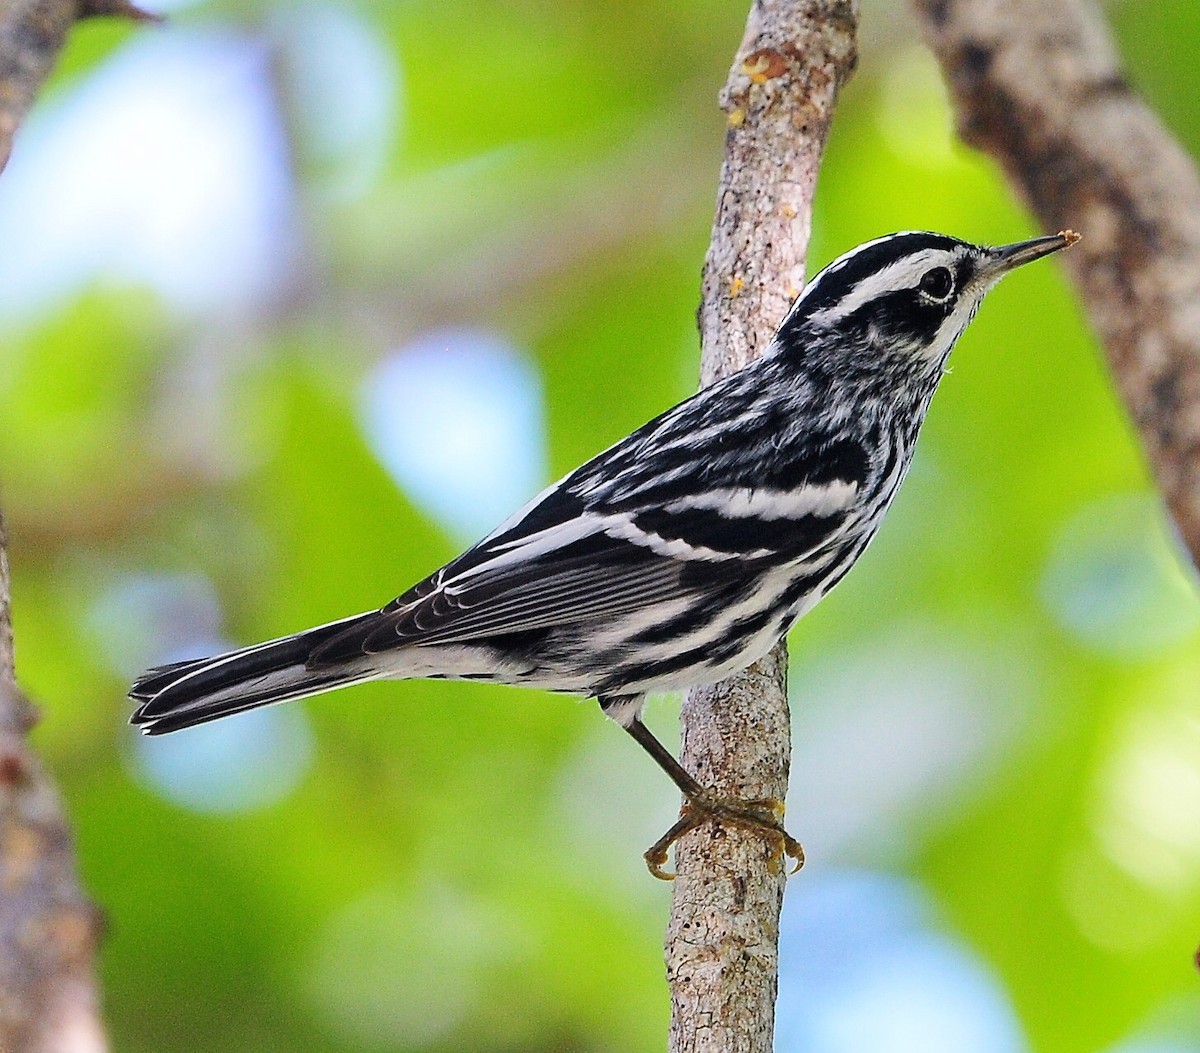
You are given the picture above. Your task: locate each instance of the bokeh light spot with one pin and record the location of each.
(863, 969)
(456, 417)
(898, 735)
(1115, 582)
(235, 764)
(150, 619)
(1148, 791)
(166, 168)
(344, 87)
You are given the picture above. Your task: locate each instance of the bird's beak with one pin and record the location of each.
(1006, 258)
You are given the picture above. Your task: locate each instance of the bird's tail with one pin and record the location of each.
(185, 693)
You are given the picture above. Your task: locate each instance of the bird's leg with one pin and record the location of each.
(702, 805)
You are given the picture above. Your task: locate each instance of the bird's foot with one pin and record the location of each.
(762, 816)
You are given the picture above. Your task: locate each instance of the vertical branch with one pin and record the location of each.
(722, 939)
(1037, 85)
(48, 929)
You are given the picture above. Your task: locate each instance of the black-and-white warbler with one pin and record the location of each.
(684, 552)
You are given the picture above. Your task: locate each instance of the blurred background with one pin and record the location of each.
(300, 298)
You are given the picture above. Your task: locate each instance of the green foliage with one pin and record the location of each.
(459, 866)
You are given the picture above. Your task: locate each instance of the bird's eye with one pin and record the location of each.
(937, 283)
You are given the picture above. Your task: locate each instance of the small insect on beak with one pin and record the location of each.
(1009, 257)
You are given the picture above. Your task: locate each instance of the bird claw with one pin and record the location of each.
(764, 816)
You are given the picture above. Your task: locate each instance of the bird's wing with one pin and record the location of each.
(681, 506)
(569, 571)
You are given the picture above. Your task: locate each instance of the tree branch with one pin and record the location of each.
(32, 33)
(48, 929)
(1036, 84)
(722, 940)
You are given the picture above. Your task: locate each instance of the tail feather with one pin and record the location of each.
(183, 694)
(152, 681)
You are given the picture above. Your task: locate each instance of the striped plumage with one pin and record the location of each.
(687, 550)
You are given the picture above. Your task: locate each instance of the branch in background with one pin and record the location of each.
(48, 929)
(1037, 85)
(32, 33)
(722, 939)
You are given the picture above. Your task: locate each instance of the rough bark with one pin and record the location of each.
(1036, 83)
(48, 928)
(722, 940)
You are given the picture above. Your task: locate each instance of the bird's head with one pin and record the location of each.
(900, 302)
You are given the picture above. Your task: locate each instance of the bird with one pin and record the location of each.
(684, 552)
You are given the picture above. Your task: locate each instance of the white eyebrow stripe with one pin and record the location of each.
(903, 274)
